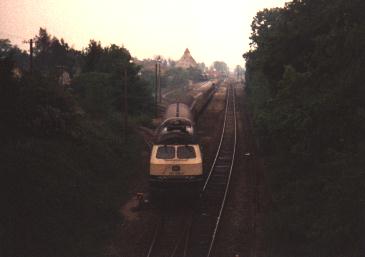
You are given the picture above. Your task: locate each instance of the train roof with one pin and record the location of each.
(185, 99)
(176, 138)
(178, 110)
(177, 126)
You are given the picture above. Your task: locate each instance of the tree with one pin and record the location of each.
(51, 54)
(177, 77)
(221, 67)
(239, 72)
(194, 74)
(101, 86)
(18, 56)
(305, 88)
(202, 66)
(5, 47)
(62, 157)
(92, 56)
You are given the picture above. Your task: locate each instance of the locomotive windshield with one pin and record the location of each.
(186, 152)
(165, 152)
(182, 152)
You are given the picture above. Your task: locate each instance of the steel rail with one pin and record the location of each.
(154, 238)
(214, 193)
(182, 239)
(229, 178)
(187, 238)
(220, 144)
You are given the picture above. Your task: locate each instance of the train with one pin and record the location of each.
(176, 158)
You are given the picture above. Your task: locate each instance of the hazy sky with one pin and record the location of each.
(212, 30)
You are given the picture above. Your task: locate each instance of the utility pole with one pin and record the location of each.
(159, 82)
(125, 123)
(125, 99)
(30, 55)
(156, 90)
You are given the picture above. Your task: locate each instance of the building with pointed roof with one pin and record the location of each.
(186, 61)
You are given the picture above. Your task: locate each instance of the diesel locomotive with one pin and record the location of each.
(176, 159)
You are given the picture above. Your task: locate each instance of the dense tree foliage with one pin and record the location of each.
(305, 74)
(181, 77)
(51, 54)
(63, 161)
(17, 55)
(101, 86)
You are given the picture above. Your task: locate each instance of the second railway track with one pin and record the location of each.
(215, 191)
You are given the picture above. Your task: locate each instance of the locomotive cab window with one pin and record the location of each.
(165, 152)
(186, 152)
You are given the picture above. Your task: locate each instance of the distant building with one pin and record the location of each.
(186, 61)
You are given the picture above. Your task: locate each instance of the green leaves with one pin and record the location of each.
(95, 92)
(306, 90)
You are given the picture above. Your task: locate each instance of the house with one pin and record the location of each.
(186, 61)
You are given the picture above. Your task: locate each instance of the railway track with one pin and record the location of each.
(193, 232)
(214, 194)
(171, 235)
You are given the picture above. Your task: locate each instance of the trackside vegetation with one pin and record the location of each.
(305, 80)
(64, 163)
